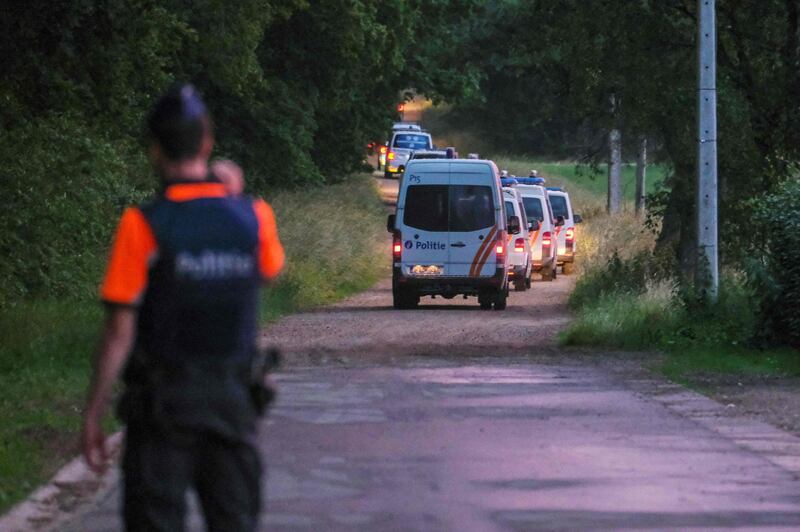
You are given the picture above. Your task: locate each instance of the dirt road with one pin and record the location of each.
(452, 418)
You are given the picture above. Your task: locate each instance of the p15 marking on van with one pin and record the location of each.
(450, 233)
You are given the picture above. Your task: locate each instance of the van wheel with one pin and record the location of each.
(404, 299)
(520, 285)
(528, 280)
(485, 301)
(387, 174)
(500, 300)
(568, 268)
(547, 275)
(555, 271)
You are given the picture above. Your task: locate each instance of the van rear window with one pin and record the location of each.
(426, 207)
(411, 141)
(471, 208)
(559, 205)
(533, 208)
(458, 208)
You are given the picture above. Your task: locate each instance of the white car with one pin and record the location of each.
(520, 265)
(403, 143)
(543, 240)
(450, 233)
(567, 246)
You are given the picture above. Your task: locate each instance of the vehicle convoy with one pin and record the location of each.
(520, 266)
(450, 233)
(543, 239)
(566, 235)
(406, 139)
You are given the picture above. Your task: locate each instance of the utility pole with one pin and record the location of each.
(614, 171)
(641, 174)
(614, 162)
(708, 253)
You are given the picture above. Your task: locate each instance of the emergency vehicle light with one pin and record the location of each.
(383, 149)
(390, 156)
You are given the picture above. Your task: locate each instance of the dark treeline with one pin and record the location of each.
(296, 90)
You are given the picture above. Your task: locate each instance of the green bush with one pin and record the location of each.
(638, 319)
(779, 281)
(635, 303)
(63, 188)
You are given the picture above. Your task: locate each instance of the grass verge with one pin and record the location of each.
(334, 241)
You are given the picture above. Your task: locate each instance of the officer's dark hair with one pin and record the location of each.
(178, 122)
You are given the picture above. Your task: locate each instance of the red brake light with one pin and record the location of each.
(390, 156)
(500, 249)
(546, 238)
(569, 234)
(519, 245)
(401, 107)
(397, 246)
(383, 149)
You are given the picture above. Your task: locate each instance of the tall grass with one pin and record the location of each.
(334, 239)
(335, 244)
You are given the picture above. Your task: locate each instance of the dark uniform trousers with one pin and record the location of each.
(159, 467)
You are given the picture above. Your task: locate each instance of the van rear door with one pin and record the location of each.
(474, 205)
(422, 216)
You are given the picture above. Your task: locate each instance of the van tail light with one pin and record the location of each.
(547, 239)
(500, 247)
(569, 234)
(397, 246)
(519, 245)
(390, 156)
(383, 150)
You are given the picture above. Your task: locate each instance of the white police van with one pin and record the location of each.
(406, 139)
(567, 245)
(450, 233)
(520, 264)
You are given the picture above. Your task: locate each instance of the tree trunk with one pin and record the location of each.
(641, 171)
(614, 171)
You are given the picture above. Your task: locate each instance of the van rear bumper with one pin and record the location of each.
(539, 265)
(450, 286)
(566, 257)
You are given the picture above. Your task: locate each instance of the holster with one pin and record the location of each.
(262, 391)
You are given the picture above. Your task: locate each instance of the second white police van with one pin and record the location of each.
(451, 233)
(520, 265)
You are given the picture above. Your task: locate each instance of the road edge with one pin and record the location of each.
(61, 499)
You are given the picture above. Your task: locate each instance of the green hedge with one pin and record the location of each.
(779, 282)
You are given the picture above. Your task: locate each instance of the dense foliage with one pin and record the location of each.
(780, 287)
(560, 74)
(296, 90)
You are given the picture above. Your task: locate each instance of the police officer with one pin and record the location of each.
(181, 292)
